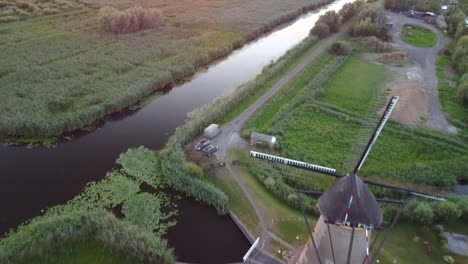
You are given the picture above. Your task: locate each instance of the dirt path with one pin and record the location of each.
(426, 58)
(231, 134)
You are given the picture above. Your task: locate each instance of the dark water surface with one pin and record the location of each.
(34, 179)
(461, 188)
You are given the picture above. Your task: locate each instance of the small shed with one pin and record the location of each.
(212, 131)
(259, 139)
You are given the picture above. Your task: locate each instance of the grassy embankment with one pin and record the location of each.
(418, 36)
(456, 113)
(59, 73)
(324, 131)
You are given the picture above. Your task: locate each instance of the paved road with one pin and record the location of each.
(426, 58)
(231, 136)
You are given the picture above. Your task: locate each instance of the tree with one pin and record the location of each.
(348, 11)
(372, 22)
(320, 30)
(423, 213)
(332, 19)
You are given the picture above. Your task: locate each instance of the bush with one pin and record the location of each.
(423, 213)
(320, 30)
(332, 19)
(131, 20)
(445, 212)
(340, 48)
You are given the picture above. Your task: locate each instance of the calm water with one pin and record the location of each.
(34, 179)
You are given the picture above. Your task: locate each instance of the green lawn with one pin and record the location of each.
(418, 36)
(405, 244)
(354, 84)
(85, 252)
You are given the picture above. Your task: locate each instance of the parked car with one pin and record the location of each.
(210, 149)
(203, 143)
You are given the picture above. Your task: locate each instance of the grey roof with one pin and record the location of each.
(262, 137)
(364, 210)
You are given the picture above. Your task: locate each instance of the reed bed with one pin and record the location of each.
(59, 73)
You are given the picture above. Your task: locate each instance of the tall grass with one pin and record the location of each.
(58, 74)
(45, 236)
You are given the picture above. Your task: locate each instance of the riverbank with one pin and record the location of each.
(80, 75)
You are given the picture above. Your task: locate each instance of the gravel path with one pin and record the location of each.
(426, 58)
(231, 135)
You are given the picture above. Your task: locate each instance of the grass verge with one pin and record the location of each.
(418, 36)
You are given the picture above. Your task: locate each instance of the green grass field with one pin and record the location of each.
(324, 132)
(353, 85)
(59, 73)
(418, 36)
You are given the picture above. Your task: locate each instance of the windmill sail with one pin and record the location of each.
(375, 135)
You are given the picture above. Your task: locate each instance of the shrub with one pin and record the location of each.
(445, 212)
(340, 48)
(320, 30)
(423, 213)
(332, 19)
(131, 20)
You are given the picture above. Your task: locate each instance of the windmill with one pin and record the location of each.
(349, 210)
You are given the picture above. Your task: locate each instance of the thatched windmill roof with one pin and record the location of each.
(364, 210)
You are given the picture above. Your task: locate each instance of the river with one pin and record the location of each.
(34, 179)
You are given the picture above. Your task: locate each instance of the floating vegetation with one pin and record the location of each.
(121, 187)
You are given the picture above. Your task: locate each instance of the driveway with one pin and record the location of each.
(426, 58)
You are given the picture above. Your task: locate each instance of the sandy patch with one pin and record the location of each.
(411, 108)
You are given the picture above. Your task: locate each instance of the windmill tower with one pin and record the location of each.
(349, 211)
